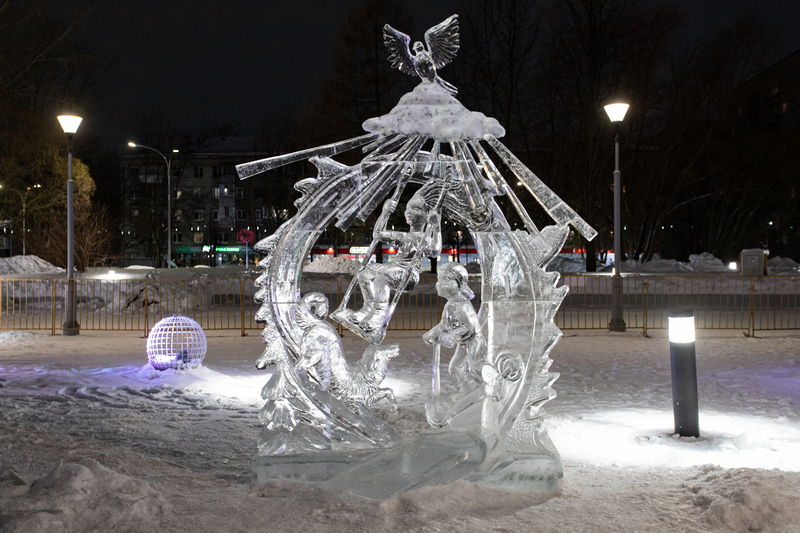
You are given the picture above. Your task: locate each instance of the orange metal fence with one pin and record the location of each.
(719, 302)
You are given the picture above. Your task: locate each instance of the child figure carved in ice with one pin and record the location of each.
(459, 329)
(380, 282)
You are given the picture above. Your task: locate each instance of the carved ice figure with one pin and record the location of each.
(380, 282)
(322, 355)
(459, 328)
(443, 42)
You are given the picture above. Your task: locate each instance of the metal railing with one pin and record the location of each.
(719, 302)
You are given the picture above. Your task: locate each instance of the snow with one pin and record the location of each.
(94, 439)
(698, 263)
(26, 264)
(332, 265)
(430, 110)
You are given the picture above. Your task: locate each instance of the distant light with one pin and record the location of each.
(770, 222)
(616, 112)
(174, 150)
(69, 123)
(681, 329)
(733, 266)
(132, 144)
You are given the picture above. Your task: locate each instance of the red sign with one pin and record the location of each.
(246, 236)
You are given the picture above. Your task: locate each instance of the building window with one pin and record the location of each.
(228, 190)
(215, 214)
(176, 238)
(222, 238)
(216, 171)
(240, 191)
(216, 192)
(241, 214)
(198, 172)
(176, 193)
(259, 214)
(198, 215)
(134, 194)
(135, 213)
(198, 192)
(198, 238)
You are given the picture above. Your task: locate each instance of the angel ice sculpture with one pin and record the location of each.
(430, 141)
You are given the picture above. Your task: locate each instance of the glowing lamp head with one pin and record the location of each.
(69, 123)
(132, 144)
(616, 112)
(681, 327)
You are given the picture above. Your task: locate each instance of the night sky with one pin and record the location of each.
(208, 63)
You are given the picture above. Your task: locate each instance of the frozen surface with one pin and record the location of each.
(174, 449)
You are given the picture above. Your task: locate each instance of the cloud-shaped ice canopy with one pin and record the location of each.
(432, 111)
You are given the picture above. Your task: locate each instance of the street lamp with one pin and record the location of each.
(616, 112)
(70, 124)
(24, 198)
(168, 163)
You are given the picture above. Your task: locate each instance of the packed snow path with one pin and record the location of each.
(173, 452)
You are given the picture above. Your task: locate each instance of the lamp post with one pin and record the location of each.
(24, 198)
(70, 124)
(683, 362)
(168, 163)
(616, 112)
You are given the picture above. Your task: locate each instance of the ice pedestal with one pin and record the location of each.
(435, 458)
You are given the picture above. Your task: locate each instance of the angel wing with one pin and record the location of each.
(443, 41)
(399, 54)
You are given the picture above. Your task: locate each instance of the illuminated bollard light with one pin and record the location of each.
(684, 373)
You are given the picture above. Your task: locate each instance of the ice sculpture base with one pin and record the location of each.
(525, 473)
(314, 468)
(435, 458)
(430, 459)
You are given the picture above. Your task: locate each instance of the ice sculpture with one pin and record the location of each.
(459, 329)
(381, 283)
(317, 421)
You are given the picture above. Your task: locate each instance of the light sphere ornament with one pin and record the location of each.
(176, 342)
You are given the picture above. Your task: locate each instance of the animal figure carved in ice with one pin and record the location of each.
(322, 357)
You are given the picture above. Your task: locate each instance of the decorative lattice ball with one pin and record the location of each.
(176, 342)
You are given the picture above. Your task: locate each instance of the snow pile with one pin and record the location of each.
(27, 264)
(329, 264)
(779, 265)
(139, 267)
(430, 110)
(706, 262)
(80, 497)
(21, 337)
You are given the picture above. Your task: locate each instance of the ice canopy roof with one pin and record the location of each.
(430, 110)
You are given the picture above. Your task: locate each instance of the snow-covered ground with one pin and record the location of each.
(113, 446)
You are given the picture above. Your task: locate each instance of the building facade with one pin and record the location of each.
(209, 204)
